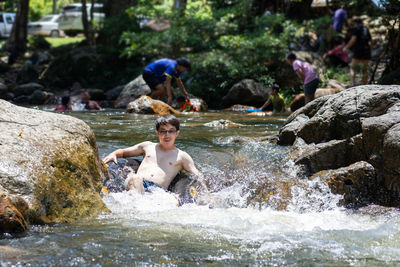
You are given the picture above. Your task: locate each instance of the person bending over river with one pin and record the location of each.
(162, 71)
(161, 161)
(307, 75)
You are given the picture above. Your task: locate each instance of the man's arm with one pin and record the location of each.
(189, 166)
(168, 88)
(182, 87)
(301, 75)
(350, 43)
(265, 104)
(283, 108)
(133, 151)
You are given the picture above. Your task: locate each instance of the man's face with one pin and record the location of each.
(181, 68)
(180, 103)
(167, 134)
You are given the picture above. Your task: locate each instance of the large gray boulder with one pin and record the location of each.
(361, 124)
(246, 92)
(50, 169)
(131, 92)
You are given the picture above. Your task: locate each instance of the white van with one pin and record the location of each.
(70, 20)
(6, 24)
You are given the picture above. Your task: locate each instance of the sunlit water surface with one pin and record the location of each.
(151, 230)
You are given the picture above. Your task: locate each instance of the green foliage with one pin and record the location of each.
(222, 51)
(335, 73)
(38, 42)
(224, 40)
(56, 42)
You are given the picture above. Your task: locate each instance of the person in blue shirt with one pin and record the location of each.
(158, 76)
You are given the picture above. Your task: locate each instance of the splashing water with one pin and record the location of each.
(258, 213)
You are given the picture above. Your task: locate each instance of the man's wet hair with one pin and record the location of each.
(180, 98)
(291, 56)
(184, 62)
(167, 119)
(275, 87)
(65, 100)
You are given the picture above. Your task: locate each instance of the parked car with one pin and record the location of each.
(6, 24)
(48, 26)
(70, 20)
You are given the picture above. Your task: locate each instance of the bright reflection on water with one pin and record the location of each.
(238, 228)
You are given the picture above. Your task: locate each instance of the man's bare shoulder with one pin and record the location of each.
(146, 144)
(184, 155)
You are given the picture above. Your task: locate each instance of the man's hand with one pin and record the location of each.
(110, 157)
(169, 102)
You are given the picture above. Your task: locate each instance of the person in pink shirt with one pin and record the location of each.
(307, 75)
(338, 56)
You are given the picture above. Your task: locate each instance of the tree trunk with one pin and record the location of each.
(117, 7)
(88, 24)
(392, 70)
(180, 6)
(16, 43)
(54, 7)
(299, 10)
(259, 6)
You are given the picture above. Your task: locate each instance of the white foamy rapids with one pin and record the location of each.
(245, 224)
(316, 196)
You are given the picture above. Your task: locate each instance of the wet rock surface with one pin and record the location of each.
(147, 105)
(131, 92)
(51, 162)
(246, 92)
(360, 125)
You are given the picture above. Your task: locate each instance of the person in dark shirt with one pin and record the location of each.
(162, 71)
(360, 46)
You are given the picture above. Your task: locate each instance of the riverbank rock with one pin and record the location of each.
(299, 100)
(147, 105)
(51, 161)
(11, 219)
(360, 124)
(247, 92)
(131, 92)
(222, 124)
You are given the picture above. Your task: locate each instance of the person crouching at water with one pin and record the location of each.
(185, 105)
(161, 161)
(158, 76)
(89, 104)
(307, 75)
(65, 105)
(276, 100)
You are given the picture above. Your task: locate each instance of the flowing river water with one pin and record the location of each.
(239, 227)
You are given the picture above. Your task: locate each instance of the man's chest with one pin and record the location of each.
(165, 160)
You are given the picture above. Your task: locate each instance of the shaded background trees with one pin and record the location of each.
(232, 39)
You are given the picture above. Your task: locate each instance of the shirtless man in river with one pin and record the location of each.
(161, 161)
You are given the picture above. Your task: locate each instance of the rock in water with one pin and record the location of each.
(358, 125)
(51, 161)
(147, 105)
